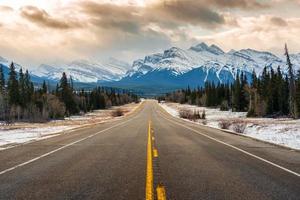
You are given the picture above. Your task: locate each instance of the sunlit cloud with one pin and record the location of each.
(57, 31)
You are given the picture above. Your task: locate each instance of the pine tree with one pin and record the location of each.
(298, 94)
(243, 94)
(44, 87)
(2, 80)
(292, 103)
(29, 89)
(22, 88)
(279, 89)
(285, 95)
(270, 91)
(237, 94)
(66, 95)
(13, 86)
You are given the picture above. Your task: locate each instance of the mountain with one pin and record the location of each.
(85, 71)
(5, 64)
(172, 69)
(177, 68)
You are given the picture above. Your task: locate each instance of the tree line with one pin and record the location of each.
(271, 94)
(21, 100)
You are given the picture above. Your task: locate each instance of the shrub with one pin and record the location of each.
(224, 124)
(239, 126)
(189, 114)
(204, 122)
(184, 113)
(118, 112)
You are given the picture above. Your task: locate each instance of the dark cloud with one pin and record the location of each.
(187, 12)
(108, 16)
(132, 19)
(278, 21)
(242, 4)
(41, 17)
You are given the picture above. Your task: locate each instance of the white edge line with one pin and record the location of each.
(236, 148)
(63, 147)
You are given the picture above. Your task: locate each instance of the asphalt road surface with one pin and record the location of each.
(115, 160)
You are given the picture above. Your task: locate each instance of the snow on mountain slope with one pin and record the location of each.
(86, 71)
(177, 68)
(210, 58)
(174, 66)
(6, 63)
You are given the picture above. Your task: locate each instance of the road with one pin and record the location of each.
(115, 160)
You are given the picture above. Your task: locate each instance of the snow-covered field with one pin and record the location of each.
(19, 133)
(281, 131)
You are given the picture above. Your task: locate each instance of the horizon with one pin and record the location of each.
(47, 32)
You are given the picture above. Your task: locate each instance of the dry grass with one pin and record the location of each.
(96, 116)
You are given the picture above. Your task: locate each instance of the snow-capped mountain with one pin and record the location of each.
(85, 71)
(171, 69)
(209, 58)
(178, 68)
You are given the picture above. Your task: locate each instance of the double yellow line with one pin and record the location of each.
(161, 193)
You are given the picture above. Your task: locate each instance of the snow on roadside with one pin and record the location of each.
(17, 136)
(282, 131)
(173, 111)
(25, 132)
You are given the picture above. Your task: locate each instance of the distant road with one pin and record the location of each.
(115, 160)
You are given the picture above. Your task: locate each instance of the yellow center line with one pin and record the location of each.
(161, 192)
(152, 152)
(155, 153)
(149, 176)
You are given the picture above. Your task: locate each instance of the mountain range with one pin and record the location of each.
(86, 71)
(171, 69)
(177, 68)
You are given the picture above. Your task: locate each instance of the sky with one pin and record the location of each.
(33, 32)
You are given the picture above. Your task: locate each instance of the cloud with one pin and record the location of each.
(41, 17)
(285, 1)
(6, 9)
(242, 4)
(108, 16)
(188, 11)
(278, 21)
(130, 18)
(131, 30)
(259, 33)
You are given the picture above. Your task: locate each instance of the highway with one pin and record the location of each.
(149, 155)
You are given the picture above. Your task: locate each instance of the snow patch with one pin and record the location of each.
(17, 136)
(19, 133)
(283, 131)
